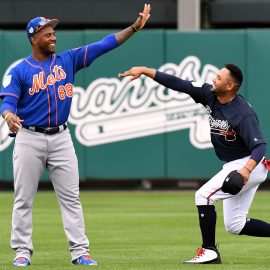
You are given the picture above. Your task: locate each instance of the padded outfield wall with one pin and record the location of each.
(141, 130)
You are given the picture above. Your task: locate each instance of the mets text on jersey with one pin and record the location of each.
(40, 82)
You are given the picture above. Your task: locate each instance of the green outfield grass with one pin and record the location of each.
(134, 230)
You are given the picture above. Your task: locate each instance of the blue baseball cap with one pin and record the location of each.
(38, 23)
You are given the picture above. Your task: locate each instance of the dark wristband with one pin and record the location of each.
(133, 27)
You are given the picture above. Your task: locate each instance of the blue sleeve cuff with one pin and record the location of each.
(9, 103)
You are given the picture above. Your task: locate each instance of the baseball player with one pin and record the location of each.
(238, 141)
(37, 95)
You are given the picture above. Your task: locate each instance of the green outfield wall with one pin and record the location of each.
(141, 130)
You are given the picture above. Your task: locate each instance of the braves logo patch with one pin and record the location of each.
(220, 127)
(230, 134)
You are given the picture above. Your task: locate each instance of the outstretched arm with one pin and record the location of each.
(167, 80)
(136, 72)
(125, 34)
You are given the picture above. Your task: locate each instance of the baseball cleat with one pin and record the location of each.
(208, 255)
(84, 259)
(21, 261)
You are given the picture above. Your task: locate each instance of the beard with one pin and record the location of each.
(48, 52)
(213, 90)
(218, 91)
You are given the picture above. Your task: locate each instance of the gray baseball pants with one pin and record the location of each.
(33, 152)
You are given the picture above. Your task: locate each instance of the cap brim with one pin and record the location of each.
(53, 23)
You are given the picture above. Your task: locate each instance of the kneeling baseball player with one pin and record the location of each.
(238, 141)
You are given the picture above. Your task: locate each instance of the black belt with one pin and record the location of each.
(46, 130)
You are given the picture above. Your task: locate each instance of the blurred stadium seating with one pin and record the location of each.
(117, 13)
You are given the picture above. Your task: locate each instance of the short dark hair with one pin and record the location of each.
(236, 73)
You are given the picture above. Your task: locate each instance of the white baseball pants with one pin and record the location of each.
(235, 207)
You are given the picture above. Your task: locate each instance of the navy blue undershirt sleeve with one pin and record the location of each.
(173, 82)
(180, 85)
(258, 152)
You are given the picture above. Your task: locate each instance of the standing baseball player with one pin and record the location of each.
(37, 95)
(238, 141)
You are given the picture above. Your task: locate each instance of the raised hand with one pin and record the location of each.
(143, 17)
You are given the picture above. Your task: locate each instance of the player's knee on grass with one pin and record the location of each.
(234, 225)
